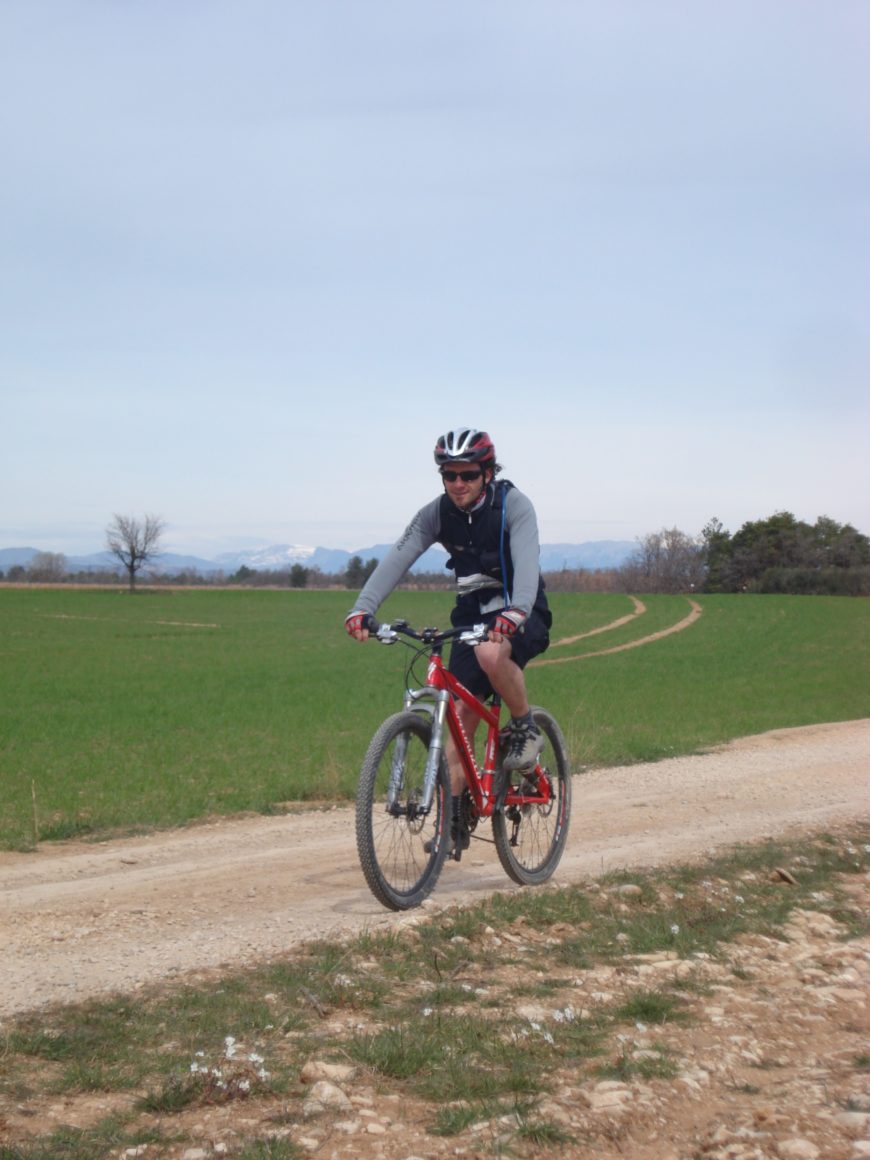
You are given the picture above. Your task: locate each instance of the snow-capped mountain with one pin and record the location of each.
(273, 558)
(332, 561)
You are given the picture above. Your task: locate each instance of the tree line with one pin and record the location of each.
(778, 554)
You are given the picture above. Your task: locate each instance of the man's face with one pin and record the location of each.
(464, 492)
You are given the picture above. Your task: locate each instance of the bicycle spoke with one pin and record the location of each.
(401, 846)
(529, 834)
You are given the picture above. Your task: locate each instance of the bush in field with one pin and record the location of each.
(821, 582)
(784, 554)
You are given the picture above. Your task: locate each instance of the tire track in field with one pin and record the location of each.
(680, 626)
(639, 610)
(171, 623)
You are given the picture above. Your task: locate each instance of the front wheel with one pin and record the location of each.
(401, 848)
(530, 835)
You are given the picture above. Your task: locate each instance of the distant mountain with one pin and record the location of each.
(10, 557)
(592, 555)
(275, 557)
(328, 560)
(165, 562)
(99, 561)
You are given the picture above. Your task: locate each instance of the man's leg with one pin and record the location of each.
(459, 836)
(470, 722)
(506, 677)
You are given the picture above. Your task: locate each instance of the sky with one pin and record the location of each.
(255, 257)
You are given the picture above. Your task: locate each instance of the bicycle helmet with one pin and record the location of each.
(465, 445)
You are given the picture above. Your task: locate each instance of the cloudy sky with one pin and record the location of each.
(257, 256)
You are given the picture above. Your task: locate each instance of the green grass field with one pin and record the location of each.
(120, 713)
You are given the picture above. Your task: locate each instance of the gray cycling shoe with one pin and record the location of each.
(524, 745)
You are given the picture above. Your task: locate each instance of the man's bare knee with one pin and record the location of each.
(492, 656)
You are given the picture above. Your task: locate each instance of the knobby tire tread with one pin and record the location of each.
(397, 870)
(555, 758)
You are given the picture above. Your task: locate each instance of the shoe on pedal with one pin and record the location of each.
(460, 835)
(523, 746)
(464, 843)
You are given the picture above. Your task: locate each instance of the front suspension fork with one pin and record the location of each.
(438, 713)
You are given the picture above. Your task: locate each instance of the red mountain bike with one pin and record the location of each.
(403, 807)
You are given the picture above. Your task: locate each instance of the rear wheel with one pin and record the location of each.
(530, 836)
(401, 849)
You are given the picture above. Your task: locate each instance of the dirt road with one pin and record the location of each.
(79, 920)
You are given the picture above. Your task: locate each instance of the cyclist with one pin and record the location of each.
(490, 531)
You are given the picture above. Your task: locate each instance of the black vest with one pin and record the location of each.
(478, 543)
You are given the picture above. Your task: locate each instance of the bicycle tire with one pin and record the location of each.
(530, 839)
(391, 842)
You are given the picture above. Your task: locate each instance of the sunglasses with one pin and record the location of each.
(465, 476)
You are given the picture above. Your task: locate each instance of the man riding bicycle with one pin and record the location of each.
(490, 531)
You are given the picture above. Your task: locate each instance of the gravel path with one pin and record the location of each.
(79, 920)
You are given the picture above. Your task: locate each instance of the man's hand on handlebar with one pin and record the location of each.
(357, 625)
(507, 624)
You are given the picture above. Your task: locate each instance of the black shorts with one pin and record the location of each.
(532, 639)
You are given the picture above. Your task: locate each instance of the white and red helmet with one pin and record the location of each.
(465, 445)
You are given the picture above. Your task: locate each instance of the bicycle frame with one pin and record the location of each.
(444, 691)
(406, 823)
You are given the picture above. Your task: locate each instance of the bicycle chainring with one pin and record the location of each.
(470, 816)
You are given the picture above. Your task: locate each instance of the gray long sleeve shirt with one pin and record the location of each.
(424, 530)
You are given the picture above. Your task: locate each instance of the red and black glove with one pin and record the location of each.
(509, 622)
(356, 622)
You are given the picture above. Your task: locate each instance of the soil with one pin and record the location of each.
(82, 920)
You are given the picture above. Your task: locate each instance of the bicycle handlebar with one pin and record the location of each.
(389, 633)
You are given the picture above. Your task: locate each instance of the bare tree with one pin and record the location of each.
(47, 568)
(665, 561)
(133, 542)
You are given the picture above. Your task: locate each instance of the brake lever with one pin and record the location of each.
(476, 635)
